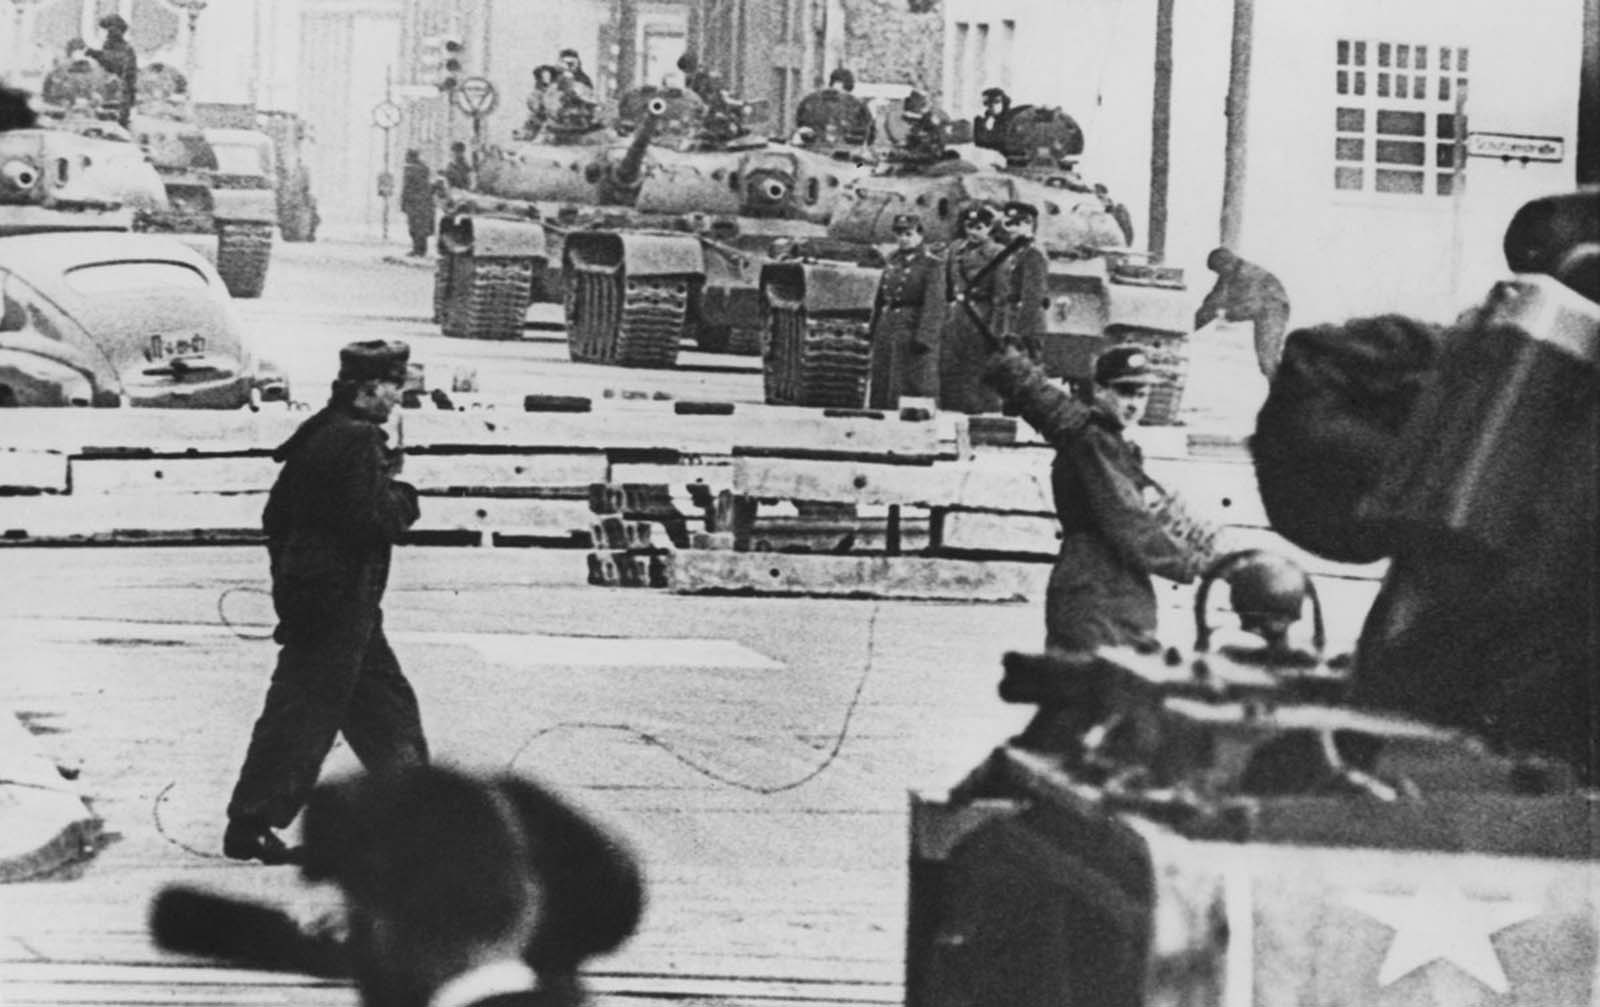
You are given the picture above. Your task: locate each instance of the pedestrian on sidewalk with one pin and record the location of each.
(469, 891)
(416, 201)
(1245, 292)
(1118, 526)
(331, 520)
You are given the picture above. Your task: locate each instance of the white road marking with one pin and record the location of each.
(516, 649)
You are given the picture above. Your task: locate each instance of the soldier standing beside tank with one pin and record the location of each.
(907, 317)
(1024, 282)
(119, 60)
(331, 521)
(458, 173)
(963, 348)
(1245, 292)
(416, 201)
(1118, 528)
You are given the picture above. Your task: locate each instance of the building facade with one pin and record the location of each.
(1369, 152)
(778, 51)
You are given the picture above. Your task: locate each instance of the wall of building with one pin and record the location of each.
(883, 42)
(1340, 251)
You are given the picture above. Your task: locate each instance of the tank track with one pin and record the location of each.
(243, 253)
(484, 298)
(441, 284)
(820, 362)
(638, 325)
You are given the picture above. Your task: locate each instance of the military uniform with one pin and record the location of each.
(1113, 534)
(331, 520)
(1248, 293)
(907, 317)
(835, 117)
(416, 202)
(963, 349)
(119, 60)
(1024, 299)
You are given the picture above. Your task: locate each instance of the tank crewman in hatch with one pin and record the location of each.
(80, 80)
(1118, 527)
(989, 129)
(119, 60)
(1024, 282)
(907, 318)
(963, 348)
(835, 115)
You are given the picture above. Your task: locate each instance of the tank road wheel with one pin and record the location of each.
(485, 298)
(633, 322)
(821, 362)
(243, 252)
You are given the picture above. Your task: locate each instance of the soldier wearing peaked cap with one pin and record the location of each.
(1118, 527)
(907, 317)
(963, 347)
(331, 520)
(1024, 282)
(469, 891)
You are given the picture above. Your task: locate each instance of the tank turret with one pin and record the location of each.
(56, 179)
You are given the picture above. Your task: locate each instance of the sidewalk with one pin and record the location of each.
(44, 823)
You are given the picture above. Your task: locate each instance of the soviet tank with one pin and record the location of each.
(60, 180)
(1100, 291)
(1219, 825)
(220, 186)
(78, 169)
(714, 207)
(499, 237)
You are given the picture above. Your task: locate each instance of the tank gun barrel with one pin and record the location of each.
(624, 177)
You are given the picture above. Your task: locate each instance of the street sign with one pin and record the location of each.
(475, 96)
(1516, 146)
(386, 115)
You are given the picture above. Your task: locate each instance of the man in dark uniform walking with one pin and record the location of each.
(963, 348)
(119, 60)
(1024, 282)
(1245, 292)
(331, 519)
(1118, 527)
(416, 201)
(907, 317)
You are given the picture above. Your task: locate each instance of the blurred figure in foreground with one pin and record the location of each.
(462, 890)
(1470, 458)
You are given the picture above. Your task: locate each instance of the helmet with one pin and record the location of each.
(1267, 586)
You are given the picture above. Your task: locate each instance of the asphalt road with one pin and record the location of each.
(756, 751)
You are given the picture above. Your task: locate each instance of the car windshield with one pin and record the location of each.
(148, 312)
(240, 159)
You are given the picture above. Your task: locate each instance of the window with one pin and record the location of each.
(1398, 120)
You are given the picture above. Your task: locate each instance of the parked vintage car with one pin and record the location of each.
(122, 319)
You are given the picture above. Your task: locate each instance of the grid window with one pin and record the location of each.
(1402, 137)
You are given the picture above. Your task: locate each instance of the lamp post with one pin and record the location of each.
(193, 9)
